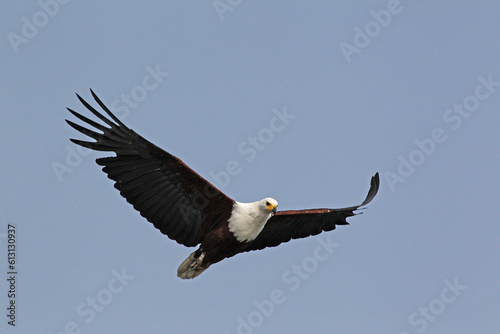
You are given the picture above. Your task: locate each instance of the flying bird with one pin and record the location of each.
(189, 209)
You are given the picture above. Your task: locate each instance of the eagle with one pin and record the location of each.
(188, 208)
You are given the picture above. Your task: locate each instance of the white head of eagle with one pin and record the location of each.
(248, 219)
(162, 188)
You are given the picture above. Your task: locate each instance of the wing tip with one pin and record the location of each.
(106, 109)
(374, 186)
(83, 143)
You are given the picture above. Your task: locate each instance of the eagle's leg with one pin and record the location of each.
(198, 260)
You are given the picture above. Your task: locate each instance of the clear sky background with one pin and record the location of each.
(410, 89)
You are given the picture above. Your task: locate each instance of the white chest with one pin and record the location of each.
(247, 221)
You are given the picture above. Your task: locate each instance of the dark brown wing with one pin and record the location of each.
(286, 225)
(169, 194)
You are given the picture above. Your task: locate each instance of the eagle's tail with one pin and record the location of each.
(192, 266)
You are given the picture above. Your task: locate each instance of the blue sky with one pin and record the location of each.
(410, 89)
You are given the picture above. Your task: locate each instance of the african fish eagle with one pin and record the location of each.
(188, 208)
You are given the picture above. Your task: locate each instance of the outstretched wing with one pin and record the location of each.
(169, 194)
(286, 225)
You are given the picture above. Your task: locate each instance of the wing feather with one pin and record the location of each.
(159, 185)
(295, 224)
